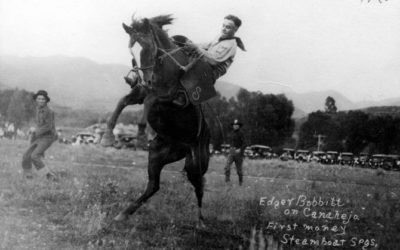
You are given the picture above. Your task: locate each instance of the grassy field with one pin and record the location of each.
(95, 183)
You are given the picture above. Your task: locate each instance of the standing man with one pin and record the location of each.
(236, 151)
(43, 136)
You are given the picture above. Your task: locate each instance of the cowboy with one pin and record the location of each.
(221, 51)
(212, 61)
(237, 143)
(43, 136)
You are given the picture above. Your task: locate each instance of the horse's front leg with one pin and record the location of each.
(132, 98)
(160, 154)
(141, 134)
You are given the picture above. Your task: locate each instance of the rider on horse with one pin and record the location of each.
(218, 54)
(210, 62)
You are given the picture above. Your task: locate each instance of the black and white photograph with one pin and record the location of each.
(200, 125)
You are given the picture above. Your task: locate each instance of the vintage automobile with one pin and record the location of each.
(377, 160)
(288, 154)
(126, 141)
(318, 156)
(363, 160)
(83, 137)
(259, 152)
(225, 149)
(302, 155)
(331, 157)
(391, 162)
(346, 158)
(248, 152)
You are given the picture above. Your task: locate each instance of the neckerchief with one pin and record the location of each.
(238, 41)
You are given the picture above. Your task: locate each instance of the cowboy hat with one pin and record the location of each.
(42, 93)
(236, 122)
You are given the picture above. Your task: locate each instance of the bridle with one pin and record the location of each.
(166, 53)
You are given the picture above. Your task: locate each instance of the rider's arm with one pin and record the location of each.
(217, 53)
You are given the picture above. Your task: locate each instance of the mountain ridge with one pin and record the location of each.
(81, 83)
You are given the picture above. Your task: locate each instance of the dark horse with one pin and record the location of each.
(181, 131)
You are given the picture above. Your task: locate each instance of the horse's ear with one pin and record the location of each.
(146, 25)
(127, 28)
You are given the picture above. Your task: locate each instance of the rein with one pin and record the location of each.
(184, 68)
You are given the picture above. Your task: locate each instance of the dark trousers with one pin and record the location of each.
(236, 158)
(35, 152)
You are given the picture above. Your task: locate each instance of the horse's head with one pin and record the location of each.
(149, 35)
(141, 32)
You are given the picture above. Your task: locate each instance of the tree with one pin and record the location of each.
(266, 117)
(330, 106)
(353, 130)
(16, 109)
(5, 98)
(320, 123)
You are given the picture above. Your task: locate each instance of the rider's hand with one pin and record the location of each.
(190, 45)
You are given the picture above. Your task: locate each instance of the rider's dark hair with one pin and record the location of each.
(236, 20)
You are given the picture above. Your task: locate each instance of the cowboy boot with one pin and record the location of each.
(108, 139)
(141, 136)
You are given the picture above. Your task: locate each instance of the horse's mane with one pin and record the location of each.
(157, 23)
(162, 20)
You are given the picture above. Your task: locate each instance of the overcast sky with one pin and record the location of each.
(351, 46)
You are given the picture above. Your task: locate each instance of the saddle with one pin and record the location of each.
(198, 81)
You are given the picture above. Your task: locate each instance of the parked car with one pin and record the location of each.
(362, 160)
(377, 160)
(391, 162)
(331, 157)
(302, 155)
(318, 156)
(346, 158)
(83, 138)
(260, 152)
(225, 149)
(288, 154)
(126, 141)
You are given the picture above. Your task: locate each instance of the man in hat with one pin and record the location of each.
(43, 136)
(236, 151)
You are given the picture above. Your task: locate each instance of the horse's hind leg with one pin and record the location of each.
(160, 154)
(195, 176)
(196, 166)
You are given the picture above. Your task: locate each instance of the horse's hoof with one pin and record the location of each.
(121, 217)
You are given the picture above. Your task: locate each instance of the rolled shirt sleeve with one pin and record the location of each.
(219, 51)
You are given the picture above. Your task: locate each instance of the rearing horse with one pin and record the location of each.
(181, 132)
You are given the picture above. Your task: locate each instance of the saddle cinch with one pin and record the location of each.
(198, 82)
